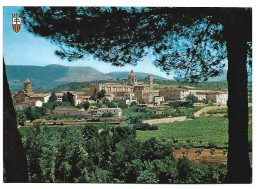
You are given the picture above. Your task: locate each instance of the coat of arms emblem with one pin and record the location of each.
(16, 22)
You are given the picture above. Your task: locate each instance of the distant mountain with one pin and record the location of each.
(50, 76)
(223, 77)
(53, 75)
(139, 75)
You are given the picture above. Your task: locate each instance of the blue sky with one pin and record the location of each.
(24, 48)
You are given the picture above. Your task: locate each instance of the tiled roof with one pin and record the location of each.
(174, 89)
(109, 108)
(30, 101)
(39, 95)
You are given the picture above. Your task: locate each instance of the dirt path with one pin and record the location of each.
(165, 120)
(203, 110)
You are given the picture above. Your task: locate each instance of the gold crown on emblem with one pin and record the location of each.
(16, 15)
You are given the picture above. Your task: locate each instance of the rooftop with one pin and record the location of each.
(39, 95)
(109, 108)
(30, 101)
(174, 89)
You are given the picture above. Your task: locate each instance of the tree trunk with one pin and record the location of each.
(238, 164)
(15, 163)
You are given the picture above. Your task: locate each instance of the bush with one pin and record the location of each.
(212, 151)
(95, 119)
(193, 99)
(199, 151)
(21, 117)
(133, 103)
(176, 104)
(145, 127)
(122, 106)
(111, 105)
(107, 114)
(134, 120)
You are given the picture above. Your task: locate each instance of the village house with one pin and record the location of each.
(42, 97)
(158, 100)
(21, 106)
(33, 103)
(173, 94)
(117, 112)
(218, 97)
(69, 110)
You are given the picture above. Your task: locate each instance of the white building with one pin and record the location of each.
(158, 100)
(33, 103)
(21, 106)
(59, 96)
(117, 112)
(42, 97)
(218, 97)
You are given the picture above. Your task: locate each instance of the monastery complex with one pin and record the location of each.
(132, 91)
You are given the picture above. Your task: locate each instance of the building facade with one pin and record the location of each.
(117, 112)
(173, 94)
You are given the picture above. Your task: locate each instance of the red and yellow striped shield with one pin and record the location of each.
(16, 22)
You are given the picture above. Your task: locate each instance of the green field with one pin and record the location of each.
(198, 131)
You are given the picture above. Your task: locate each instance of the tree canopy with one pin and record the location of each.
(189, 41)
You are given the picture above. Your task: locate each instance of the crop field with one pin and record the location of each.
(199, 132)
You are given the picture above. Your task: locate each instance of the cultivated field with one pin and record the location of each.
(200, 132)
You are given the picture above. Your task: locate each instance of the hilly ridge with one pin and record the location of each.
(139, 75)
(50, 76)
(53, 75)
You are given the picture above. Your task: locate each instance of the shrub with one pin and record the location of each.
(199, 151)
(133, 103)
(111, 105)
(122, 106)
(212, 151)
(107, 114)
(193, 99)
(145, 127)
(21, 117)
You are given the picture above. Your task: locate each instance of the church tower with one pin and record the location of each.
(28, 87)
(150, 81)
(132, 81)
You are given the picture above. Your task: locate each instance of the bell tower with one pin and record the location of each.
(150, 81)
(132, 81)
(28, 87)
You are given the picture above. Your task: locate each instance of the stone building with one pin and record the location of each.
(146, 96)
(158, 100)
(117, 112)
(140, 92)
(20, 97)
(174, 94)
(218, 97)
(42, 97)
(24, 94)
(69, 110)
(27, 103)
(94, 88)
(132, 81)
